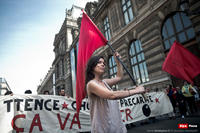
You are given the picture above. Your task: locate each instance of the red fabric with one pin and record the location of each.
(90, 39)
(181, 63)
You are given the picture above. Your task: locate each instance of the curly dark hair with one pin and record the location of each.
(90, 67)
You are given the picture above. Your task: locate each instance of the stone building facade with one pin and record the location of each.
(59, 76)
(48, 83)
(62, 43)
(142, 31)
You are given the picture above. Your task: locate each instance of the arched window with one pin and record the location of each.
(138, 63)
(112, 66)
(177, 27)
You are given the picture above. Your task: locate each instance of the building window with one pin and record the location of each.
(177, 27)
(63, 67)
(127, 10)
(106, 26)
(112, 66)
(138, 63)
(73, 61)
(73, 68)
(57, 70)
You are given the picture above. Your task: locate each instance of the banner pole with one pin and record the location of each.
(132, 78)
(126, 69)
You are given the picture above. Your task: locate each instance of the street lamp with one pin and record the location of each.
(184, 5)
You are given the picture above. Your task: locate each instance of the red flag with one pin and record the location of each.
(90, 39)
(181, 63)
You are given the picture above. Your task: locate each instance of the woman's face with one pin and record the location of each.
(100, 67)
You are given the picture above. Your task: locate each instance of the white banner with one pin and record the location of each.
(136, 108)
(57, 114)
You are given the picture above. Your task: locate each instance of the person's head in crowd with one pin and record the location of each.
(178, 89)
(28, 92)
(46, 92)
(185, 83)
(148, 90)
(62, 92)
(169, 86)
(8, 93)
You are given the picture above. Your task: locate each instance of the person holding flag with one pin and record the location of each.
(104, 109)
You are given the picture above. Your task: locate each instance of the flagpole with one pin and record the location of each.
(126, 69)
(132, 78)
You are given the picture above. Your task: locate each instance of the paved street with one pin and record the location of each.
(168, 125)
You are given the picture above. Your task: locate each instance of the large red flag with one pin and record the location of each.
(90, 39)
(181, 63)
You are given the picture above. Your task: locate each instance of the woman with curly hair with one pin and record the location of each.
(104, 109)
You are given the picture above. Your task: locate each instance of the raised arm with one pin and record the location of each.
(101, 91)
(119, 76)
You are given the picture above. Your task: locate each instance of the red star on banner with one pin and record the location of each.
(64, 105)
(157, 100)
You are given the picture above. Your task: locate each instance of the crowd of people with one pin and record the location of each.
(184, 99)
(45, 92)
(104, 109)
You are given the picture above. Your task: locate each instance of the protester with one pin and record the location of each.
(196, 94)
(181, 102)
(171, 94)
(28, 92)
(46, 92)
(9, 93)
(62, 92)
(188, 92)
(104, 108)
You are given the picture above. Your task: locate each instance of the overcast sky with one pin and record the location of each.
(27, 31)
